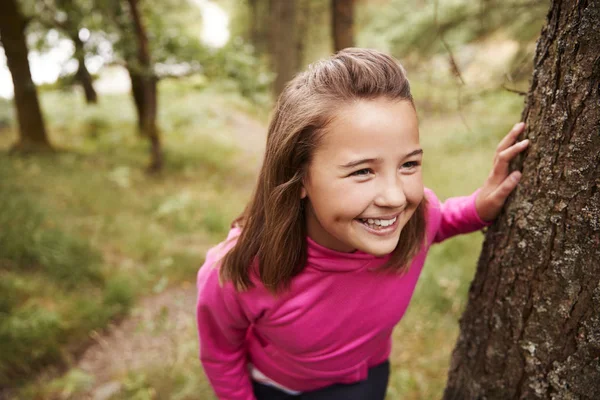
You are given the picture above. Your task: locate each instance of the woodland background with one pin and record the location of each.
(140, 160)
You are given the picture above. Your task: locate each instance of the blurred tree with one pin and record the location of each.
(342, 24)
(152, 41)
(144, 80)
(68, 17)
(531, 328)
(32, 132)
(283, 42)
(258, 25)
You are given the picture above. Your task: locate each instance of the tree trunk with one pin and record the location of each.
(342, 24)
(138, 96)
(258, 26)
(302, 22)
(144, 88)
(32, 132)
(83, 75)
(531, 328)
(283, 42)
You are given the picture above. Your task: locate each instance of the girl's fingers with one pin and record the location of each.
(506, 187)
(504, 158)
(510, 138)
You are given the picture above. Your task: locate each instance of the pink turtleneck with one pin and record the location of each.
(333, 324)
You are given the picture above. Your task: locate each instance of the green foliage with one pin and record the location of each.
(29, 336)
(29, 243)
(215, 222)
(459, 22)
(119, 294)
(237, 62)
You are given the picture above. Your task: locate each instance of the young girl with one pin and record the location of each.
(301, 299)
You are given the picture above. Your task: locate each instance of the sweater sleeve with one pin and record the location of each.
(458, 215)
(222, 327)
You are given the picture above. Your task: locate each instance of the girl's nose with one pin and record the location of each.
(391, 195)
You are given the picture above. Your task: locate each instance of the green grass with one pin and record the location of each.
(86, 232)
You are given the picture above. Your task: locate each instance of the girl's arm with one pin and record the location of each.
(457, 215)
(222, 326)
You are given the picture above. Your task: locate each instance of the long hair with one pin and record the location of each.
(273, 236)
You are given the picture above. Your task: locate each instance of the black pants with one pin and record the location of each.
(373, 388)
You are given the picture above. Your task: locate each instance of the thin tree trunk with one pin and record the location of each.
(283, 42)
(138, 97)
(302, 22)
(531, 329)
(148, 88)
(83, 75)
(32, 132)
(342, 24)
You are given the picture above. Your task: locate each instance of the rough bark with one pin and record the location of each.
(531, 328)
(32, 131)
(284, 48)
(83, 75)
(144, 89)
(342, 24)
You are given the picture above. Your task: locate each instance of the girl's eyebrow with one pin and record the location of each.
(352, 164)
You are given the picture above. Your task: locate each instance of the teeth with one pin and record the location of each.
(379, 223)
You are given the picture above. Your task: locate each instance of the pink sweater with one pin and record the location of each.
(333, 324)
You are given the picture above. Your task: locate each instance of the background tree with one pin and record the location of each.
(283, 42)
(144, 82)
(342, 24)
(531, 328)
(258, 25)
(173, 45)
(32, 132)
(68, 17)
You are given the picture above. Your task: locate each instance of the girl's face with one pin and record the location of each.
(364, 182)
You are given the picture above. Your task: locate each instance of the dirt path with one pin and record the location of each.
(156, 326)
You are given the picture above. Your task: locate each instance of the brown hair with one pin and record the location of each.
(273, 224)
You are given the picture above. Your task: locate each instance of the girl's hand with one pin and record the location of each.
(499, 183)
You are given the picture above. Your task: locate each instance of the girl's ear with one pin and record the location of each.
(302, 192)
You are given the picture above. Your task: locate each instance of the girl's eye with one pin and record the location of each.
(361, 172)
(410, 164)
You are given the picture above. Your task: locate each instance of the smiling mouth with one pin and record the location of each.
(378, 224)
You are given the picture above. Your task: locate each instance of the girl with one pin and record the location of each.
(300, 301)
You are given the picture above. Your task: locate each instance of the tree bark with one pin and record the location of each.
(531, 328)
(284, 46)
(32, 131)
(83, 75)
(342, 24)
(144, 89)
